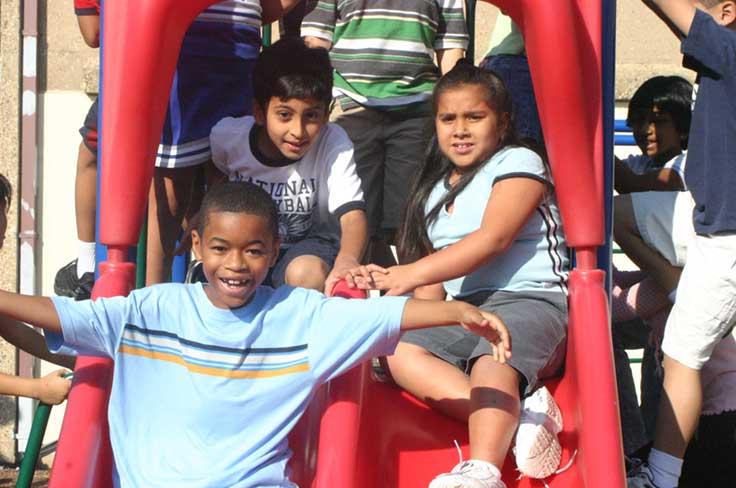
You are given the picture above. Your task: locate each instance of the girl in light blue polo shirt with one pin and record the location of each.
(482, 225)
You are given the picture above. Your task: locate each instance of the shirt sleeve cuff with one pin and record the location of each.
(348, 207)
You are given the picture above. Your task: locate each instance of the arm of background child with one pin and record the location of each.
(435, 291)
(448, 58)
(273, 10)
(38, 311)
(421, 314)
(52, 389)
(89, 26)
(512, 202)
(664, 179)
(318, 26)
(27, 339)
(353, 242)
(677, 14)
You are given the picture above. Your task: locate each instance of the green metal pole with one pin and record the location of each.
(35, 439)
(470, 21)
(140, 256)
(266, 41)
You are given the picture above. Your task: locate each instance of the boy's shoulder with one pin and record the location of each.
(334, 137)
(233, 125)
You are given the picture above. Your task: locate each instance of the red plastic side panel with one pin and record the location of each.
(563, 44)
(398, 441)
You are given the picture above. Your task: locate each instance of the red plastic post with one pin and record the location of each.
(140, 48)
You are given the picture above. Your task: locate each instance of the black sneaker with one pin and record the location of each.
(66, 283)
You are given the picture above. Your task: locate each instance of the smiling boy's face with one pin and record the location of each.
(236, 250)
(292, 125)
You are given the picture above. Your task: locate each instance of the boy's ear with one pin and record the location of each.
(196, 244)
(727, 13)
(259, 113)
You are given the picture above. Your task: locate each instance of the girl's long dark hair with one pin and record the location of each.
(413, 240)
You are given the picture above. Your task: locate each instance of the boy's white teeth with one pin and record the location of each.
(234, 282)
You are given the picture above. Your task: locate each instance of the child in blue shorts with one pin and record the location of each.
(212, 81)
(218, 374)
(704, 312)
(305, 163)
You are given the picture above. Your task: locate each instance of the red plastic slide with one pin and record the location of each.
(359, 432)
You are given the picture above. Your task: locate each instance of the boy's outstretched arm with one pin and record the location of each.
(27, 339)
(420, 314)
(676, 13)
(52, 389)
(35, 310)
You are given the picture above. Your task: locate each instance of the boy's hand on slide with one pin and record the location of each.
(53, 388)
(341, 269)
(490, 327)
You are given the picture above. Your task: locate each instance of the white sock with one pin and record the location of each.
(665, 469)
(671, 296)
(86, 258)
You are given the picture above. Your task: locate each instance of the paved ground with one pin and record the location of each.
(9, 476)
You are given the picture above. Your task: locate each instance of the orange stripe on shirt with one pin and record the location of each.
(225, 373)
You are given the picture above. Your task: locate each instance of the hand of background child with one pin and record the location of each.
(342, 268)
(396, 280)
(490, 327)
(53, 388)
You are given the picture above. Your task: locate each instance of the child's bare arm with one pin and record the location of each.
(675, 13)
(511, 204)
(273, 10)
(89, 27)
(448, 58)
(434, 291)
(315, 42)
(27, 339)
(664, 179)
(35, 310)
(419, 314)
(52, 389)
(353, 242)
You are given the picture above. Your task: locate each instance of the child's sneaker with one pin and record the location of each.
(66, 283)
(470, 474)
(640, 476)
(538, 450)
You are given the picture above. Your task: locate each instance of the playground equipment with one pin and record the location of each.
(359, 432)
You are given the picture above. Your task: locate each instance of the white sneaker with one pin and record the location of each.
(640, 476)
(538, 450)
(470, 474)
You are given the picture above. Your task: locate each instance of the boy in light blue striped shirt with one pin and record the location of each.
(209, 379)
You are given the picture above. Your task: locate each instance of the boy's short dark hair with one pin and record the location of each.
(239, 197)
(290, 69)
(6, 192)
(671, 94)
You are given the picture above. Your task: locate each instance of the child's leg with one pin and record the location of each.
(306, 263)
(438, 383)
(703, 314)
(85, 194)
(627, 234)
(488, 399)
(168, 203)
(494, 410)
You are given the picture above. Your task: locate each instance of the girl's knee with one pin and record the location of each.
(307, 272)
